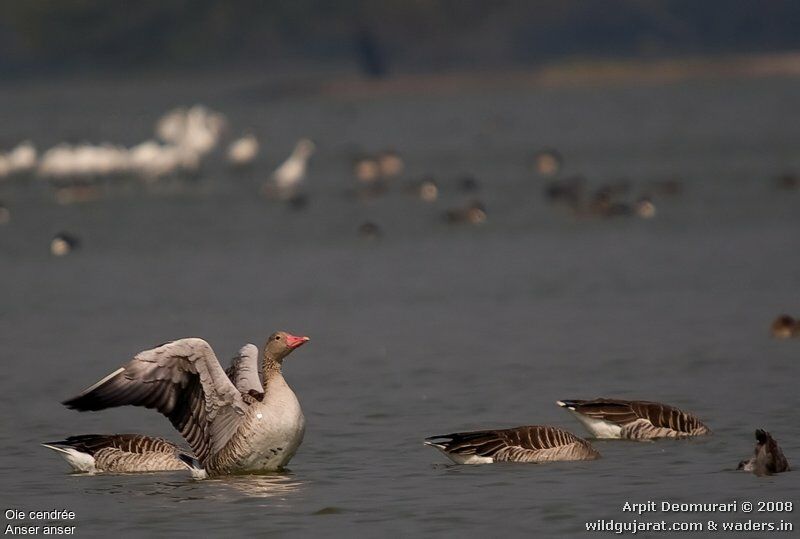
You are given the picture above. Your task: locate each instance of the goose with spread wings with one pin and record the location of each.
(139, 453)
(635, 420)
(233, 421)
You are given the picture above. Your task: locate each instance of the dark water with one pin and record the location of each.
(432, 329)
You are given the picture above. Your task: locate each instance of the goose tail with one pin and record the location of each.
(79, 460)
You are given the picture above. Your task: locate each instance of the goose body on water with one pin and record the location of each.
(234, 421)
(637, 420)
(785, 327)
(535, 443)
(767, 459)
(122, 453)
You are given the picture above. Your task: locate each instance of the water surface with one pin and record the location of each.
(434, 328)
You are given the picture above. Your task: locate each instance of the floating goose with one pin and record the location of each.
(367, 172)
(638, 420)
(520, 444)
(785, 327)
(644, 207)
(473, 213)
(548, 162)
(64, 243)
(136, 453)
(366, 169)
(232, 421)
(390, 164)
(768, 458)
(122, 453)
(426, 189)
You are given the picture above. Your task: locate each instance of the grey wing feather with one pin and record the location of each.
(184, 381)
(243, 371)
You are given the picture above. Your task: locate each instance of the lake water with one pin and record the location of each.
(434, 328)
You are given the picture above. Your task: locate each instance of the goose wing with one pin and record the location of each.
(615, 411)
(184, 381)
(623, 412)
(519, 444)
(243, 371)
(132, 443)
(668, 417)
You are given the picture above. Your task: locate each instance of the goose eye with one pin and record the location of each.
(277, 337)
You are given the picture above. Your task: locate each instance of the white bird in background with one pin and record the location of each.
(172, 126)
(288, 177)
(83, 160)
(243, 151)
(197, 129)
(23, 157)
(153, 160)
(20, 159)
(188, 135)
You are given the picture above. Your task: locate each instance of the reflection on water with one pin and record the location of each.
(274, 485)
(179, 488)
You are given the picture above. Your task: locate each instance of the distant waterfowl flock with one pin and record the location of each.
(246, 418)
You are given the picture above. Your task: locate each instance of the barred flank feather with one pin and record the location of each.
(639, 419)
(520, 444)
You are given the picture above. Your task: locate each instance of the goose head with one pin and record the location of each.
(280, 344)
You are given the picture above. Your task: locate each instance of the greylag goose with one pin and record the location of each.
(785, 327)
(638, 420)
(366, 169)
(644, 207)
(390, 164)
(233, 424)
(64, 243)
(767, 459)
(548, 162)
(122, 453)
(426, 189)
(534, 443)
(473, 213)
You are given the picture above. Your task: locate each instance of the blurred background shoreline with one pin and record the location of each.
(341, 83)
(547, 41)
